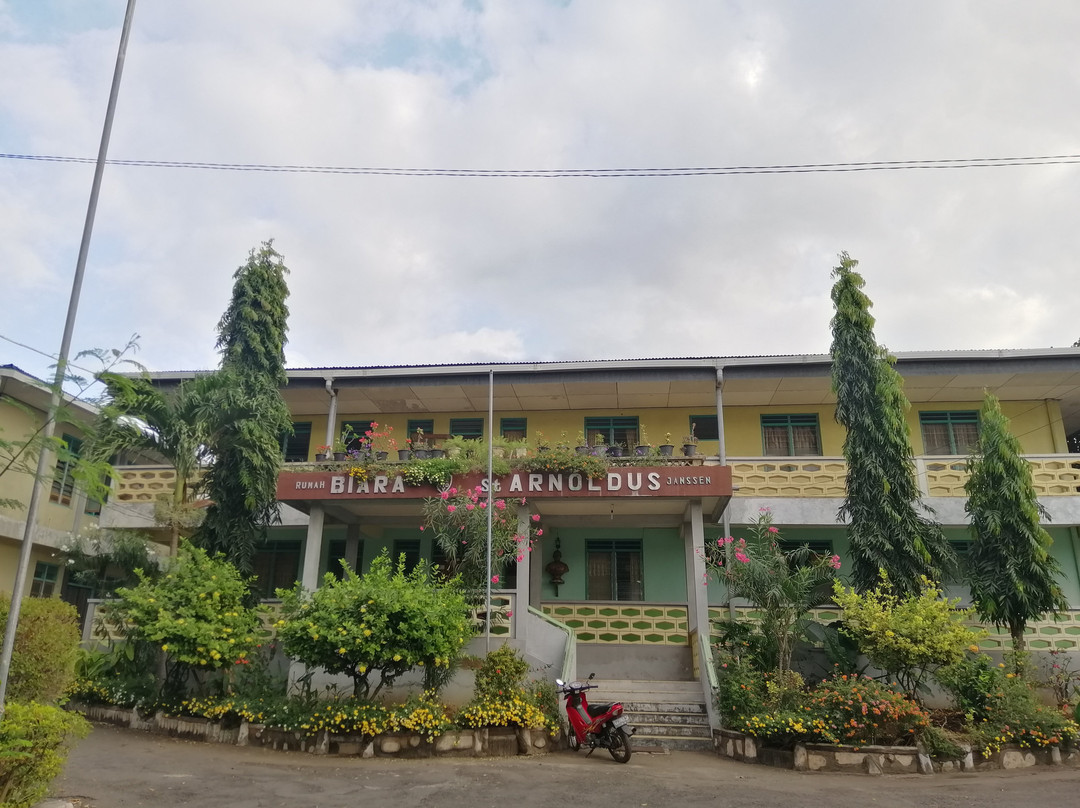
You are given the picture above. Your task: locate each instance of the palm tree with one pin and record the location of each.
(140, 417)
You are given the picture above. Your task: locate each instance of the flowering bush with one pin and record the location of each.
(517, 710)
(375, 627)
(458, 521)
(196, 612)
(784, 585)
(501, 698)
(782, 730)
(1012, 714)
(860, 710)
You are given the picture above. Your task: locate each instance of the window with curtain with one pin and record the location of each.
(619, 430)
(513, 428)
(614, 569)
(790, 435)
(949, 433)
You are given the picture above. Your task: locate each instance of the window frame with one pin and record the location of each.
(615, 548)
(789, 422)
(276, 550)
(290, 444)
(629, 426)
(414, 555)
(711, 433)
(467, 428)
(41, 584)
(63, 482)
(949, 419)
(517, 427)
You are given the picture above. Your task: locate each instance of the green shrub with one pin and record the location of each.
(939, 744)
(740, 691)
(503, 671)
(1013, 715)
(33, 741)
(970, 682)
(784, 728)
(46, 645)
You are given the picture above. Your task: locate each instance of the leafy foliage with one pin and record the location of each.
(33, 740)
(564, 460)
(907, 636)
(969, 681)
(248, 417)
(886, 530)
(196, 612)
(1013, 714)
(373, 628)
(104, 560)
(783, 585)
(1012, 575)
(861, 710)
(458, 520)
(502, 671)
(45, 650)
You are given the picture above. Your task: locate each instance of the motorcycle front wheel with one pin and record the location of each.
(620, 746)
(572, 741)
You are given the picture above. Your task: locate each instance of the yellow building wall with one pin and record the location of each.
(1037, 424)
(9, 562)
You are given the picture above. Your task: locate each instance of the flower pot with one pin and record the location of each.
(642, 451)
(421, 454)
(380, 455)
(404, 454)
(615, 451)
(581, 450)
(438, 453)
(689, 449)
(666, 449)
(339, 456)
(320, 457)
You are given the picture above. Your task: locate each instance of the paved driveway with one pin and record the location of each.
(116, 768)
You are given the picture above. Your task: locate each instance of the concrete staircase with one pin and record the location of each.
(667, 714)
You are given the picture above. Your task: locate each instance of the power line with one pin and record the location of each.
(583, 173)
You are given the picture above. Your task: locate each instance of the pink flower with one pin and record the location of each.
(451, 508)
(741, 556)
(834, 562)
(536, 517)
(509, 612)
(494, 579)
(421, 528)
(500, 504)
(453, 490)
(523, 500)
(520, 557)
(483, 504)
(470, 507)
(445, 495)
(773, 529)
(540, 532)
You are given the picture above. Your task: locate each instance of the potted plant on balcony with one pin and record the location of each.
(421, 447)
(599, 444)
(582, 443)
(643, 445)
(339, 449)
(542, 444)
(667, 448)
(689, 448)
(322, 452)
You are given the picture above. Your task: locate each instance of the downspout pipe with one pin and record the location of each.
(331, 418)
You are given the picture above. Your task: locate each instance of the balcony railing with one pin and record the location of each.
(1052, 475)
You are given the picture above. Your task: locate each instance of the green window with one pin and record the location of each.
(295, 446)
(513, 428)
(418, 424)
(621, 430)
(63, 486)
(949, 433)
(45, 578)
(614, 570)
(471, 428)
(335, 554)
(704, 427)
(277, 566)
(962, 548)
(357, 430)
(790, 435)
(410, 548)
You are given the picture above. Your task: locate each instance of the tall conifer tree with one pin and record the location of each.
(887, 531)
(249, 418)
(1013, 577)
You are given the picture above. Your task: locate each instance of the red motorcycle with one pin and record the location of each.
(599, 725)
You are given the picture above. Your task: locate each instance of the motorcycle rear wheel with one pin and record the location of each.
(620, 746)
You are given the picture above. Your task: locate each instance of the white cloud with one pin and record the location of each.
(407, 270)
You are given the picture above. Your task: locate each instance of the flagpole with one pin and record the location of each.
(491, 438)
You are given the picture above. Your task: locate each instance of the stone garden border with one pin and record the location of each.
(485, 742)
(882, 759)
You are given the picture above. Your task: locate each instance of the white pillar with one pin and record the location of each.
(697, 595)
(313, 547)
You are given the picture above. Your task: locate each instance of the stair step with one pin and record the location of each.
(684, 707)
(671, 730)
(673, 742)
(667, 719)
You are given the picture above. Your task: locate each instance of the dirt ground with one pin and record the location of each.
(116, 768)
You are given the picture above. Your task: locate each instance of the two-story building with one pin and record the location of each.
(633, 586)
(65, 510)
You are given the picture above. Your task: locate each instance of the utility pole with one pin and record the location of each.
(45, 456)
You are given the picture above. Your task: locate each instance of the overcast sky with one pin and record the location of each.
(395, 270)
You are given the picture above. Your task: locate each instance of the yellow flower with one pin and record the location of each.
(973, 648)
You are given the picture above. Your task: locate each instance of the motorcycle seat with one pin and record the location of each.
(596, 710)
